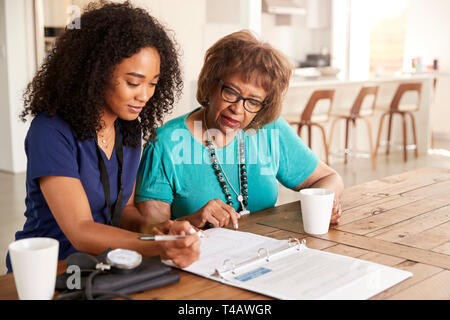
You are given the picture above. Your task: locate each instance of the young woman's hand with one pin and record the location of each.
(182, 252)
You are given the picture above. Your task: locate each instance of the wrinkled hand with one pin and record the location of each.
(336, 212)
(216, 212)
(182, 252)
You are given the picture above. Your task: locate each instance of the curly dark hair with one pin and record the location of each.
(72, 81)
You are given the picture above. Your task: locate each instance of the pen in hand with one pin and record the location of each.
(166, 237)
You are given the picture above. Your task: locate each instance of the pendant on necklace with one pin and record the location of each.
(104, 141)
(244, 211)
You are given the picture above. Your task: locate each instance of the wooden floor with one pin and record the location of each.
(356, 171)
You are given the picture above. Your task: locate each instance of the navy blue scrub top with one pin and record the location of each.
(52, 149)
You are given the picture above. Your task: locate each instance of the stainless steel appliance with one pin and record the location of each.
(316, 61)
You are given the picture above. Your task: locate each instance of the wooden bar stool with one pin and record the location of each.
(402, 110)
(309, 119)
(356, 113)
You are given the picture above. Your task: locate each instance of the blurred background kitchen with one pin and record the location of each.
(356, 55)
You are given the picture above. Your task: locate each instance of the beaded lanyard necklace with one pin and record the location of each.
(242, 197)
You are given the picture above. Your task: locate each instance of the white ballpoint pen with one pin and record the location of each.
(166, 237)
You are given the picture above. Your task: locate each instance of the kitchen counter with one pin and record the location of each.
(297, 81)
(345, 93)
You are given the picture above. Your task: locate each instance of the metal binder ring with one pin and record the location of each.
(228, 261)
(267, 253)
(295, 241)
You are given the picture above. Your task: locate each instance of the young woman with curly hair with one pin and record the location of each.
(103, 87)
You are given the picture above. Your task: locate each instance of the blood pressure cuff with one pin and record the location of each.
(150, 274)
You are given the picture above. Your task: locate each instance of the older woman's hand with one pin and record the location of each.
(337, 211)
(216, 212)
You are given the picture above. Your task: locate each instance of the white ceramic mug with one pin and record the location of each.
(317, 205)
(34, 263)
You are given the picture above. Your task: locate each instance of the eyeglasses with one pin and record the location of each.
(232, 96)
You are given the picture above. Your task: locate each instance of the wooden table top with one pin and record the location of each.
(402, 221)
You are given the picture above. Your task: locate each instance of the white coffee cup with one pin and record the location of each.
(317, 205)
(34, 263)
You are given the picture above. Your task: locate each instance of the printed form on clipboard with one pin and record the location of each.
(288, 269)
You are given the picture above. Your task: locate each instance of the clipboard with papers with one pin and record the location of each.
(288, 269)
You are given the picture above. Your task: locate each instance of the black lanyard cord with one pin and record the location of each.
(115, 214)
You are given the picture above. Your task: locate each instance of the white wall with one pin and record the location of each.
(5, 127)
(428, 32)
(187, 20)
(304, 34)
(55, 12)
(340, 24)
(17, 66)
(428, 36)
(225, 17)
(359, 41)
(198, 24)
